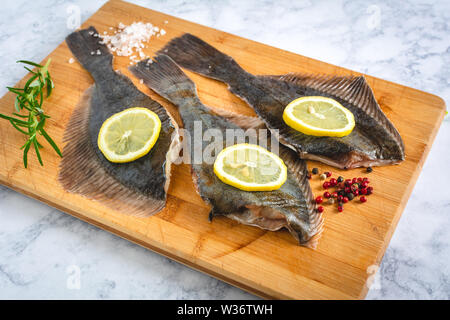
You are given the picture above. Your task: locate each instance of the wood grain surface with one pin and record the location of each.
(269, 264)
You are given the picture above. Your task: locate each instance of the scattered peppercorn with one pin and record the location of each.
(333, 182)
(369, 169)
(344, 190)
(315, 171)
(308, 175)
(319, 200)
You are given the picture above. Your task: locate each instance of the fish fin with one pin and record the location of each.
(172, 155)
(81, 171)
(93, 55)
(299, 171)
(164, 77)
(245, 122)
(196, 55)
(353, 89)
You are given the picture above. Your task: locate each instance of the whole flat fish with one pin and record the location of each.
(137, 187)
(373, 142)
(292, 206)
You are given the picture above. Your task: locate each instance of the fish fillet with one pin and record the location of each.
(138, 187)
(373, 142)
(291, 206)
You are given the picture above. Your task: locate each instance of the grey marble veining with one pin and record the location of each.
(42, 250)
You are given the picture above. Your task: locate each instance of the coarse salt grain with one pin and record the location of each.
(129, 40)
(71, 60)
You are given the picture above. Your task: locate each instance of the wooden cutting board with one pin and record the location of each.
(268, 264)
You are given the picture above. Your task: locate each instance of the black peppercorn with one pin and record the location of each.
(340, 179)
(369, 169)
(315, 171)
(350, 196)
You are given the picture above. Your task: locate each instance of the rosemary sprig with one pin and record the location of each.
(31, 98)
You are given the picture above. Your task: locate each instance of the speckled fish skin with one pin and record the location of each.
(291, 206)
(374, 140)
(138, 187)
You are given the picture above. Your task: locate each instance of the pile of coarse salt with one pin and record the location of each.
(129, 40)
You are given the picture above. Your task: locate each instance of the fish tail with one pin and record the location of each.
(164, 77)
(93, 55)
(196, 55)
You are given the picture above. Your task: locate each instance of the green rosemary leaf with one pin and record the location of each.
(29, 81)
(50, 86)
(29, 70)
(30, 63)
(20, 115)
(14, 90)
(40, 125)
(17, 104)
(19, 89)
(4, 117)
(17, 127)
(20, 124)
(17, 121)
(38, 154)
(26, 147)
(41, 100)
(50, 140)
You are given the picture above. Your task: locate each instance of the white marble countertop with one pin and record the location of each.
(42, 250)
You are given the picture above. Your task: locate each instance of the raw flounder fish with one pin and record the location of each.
(137, 187)
(374, 140)
(291, 206)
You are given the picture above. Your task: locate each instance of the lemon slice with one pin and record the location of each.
(129, 135)
(319, 116)
(250, 167)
